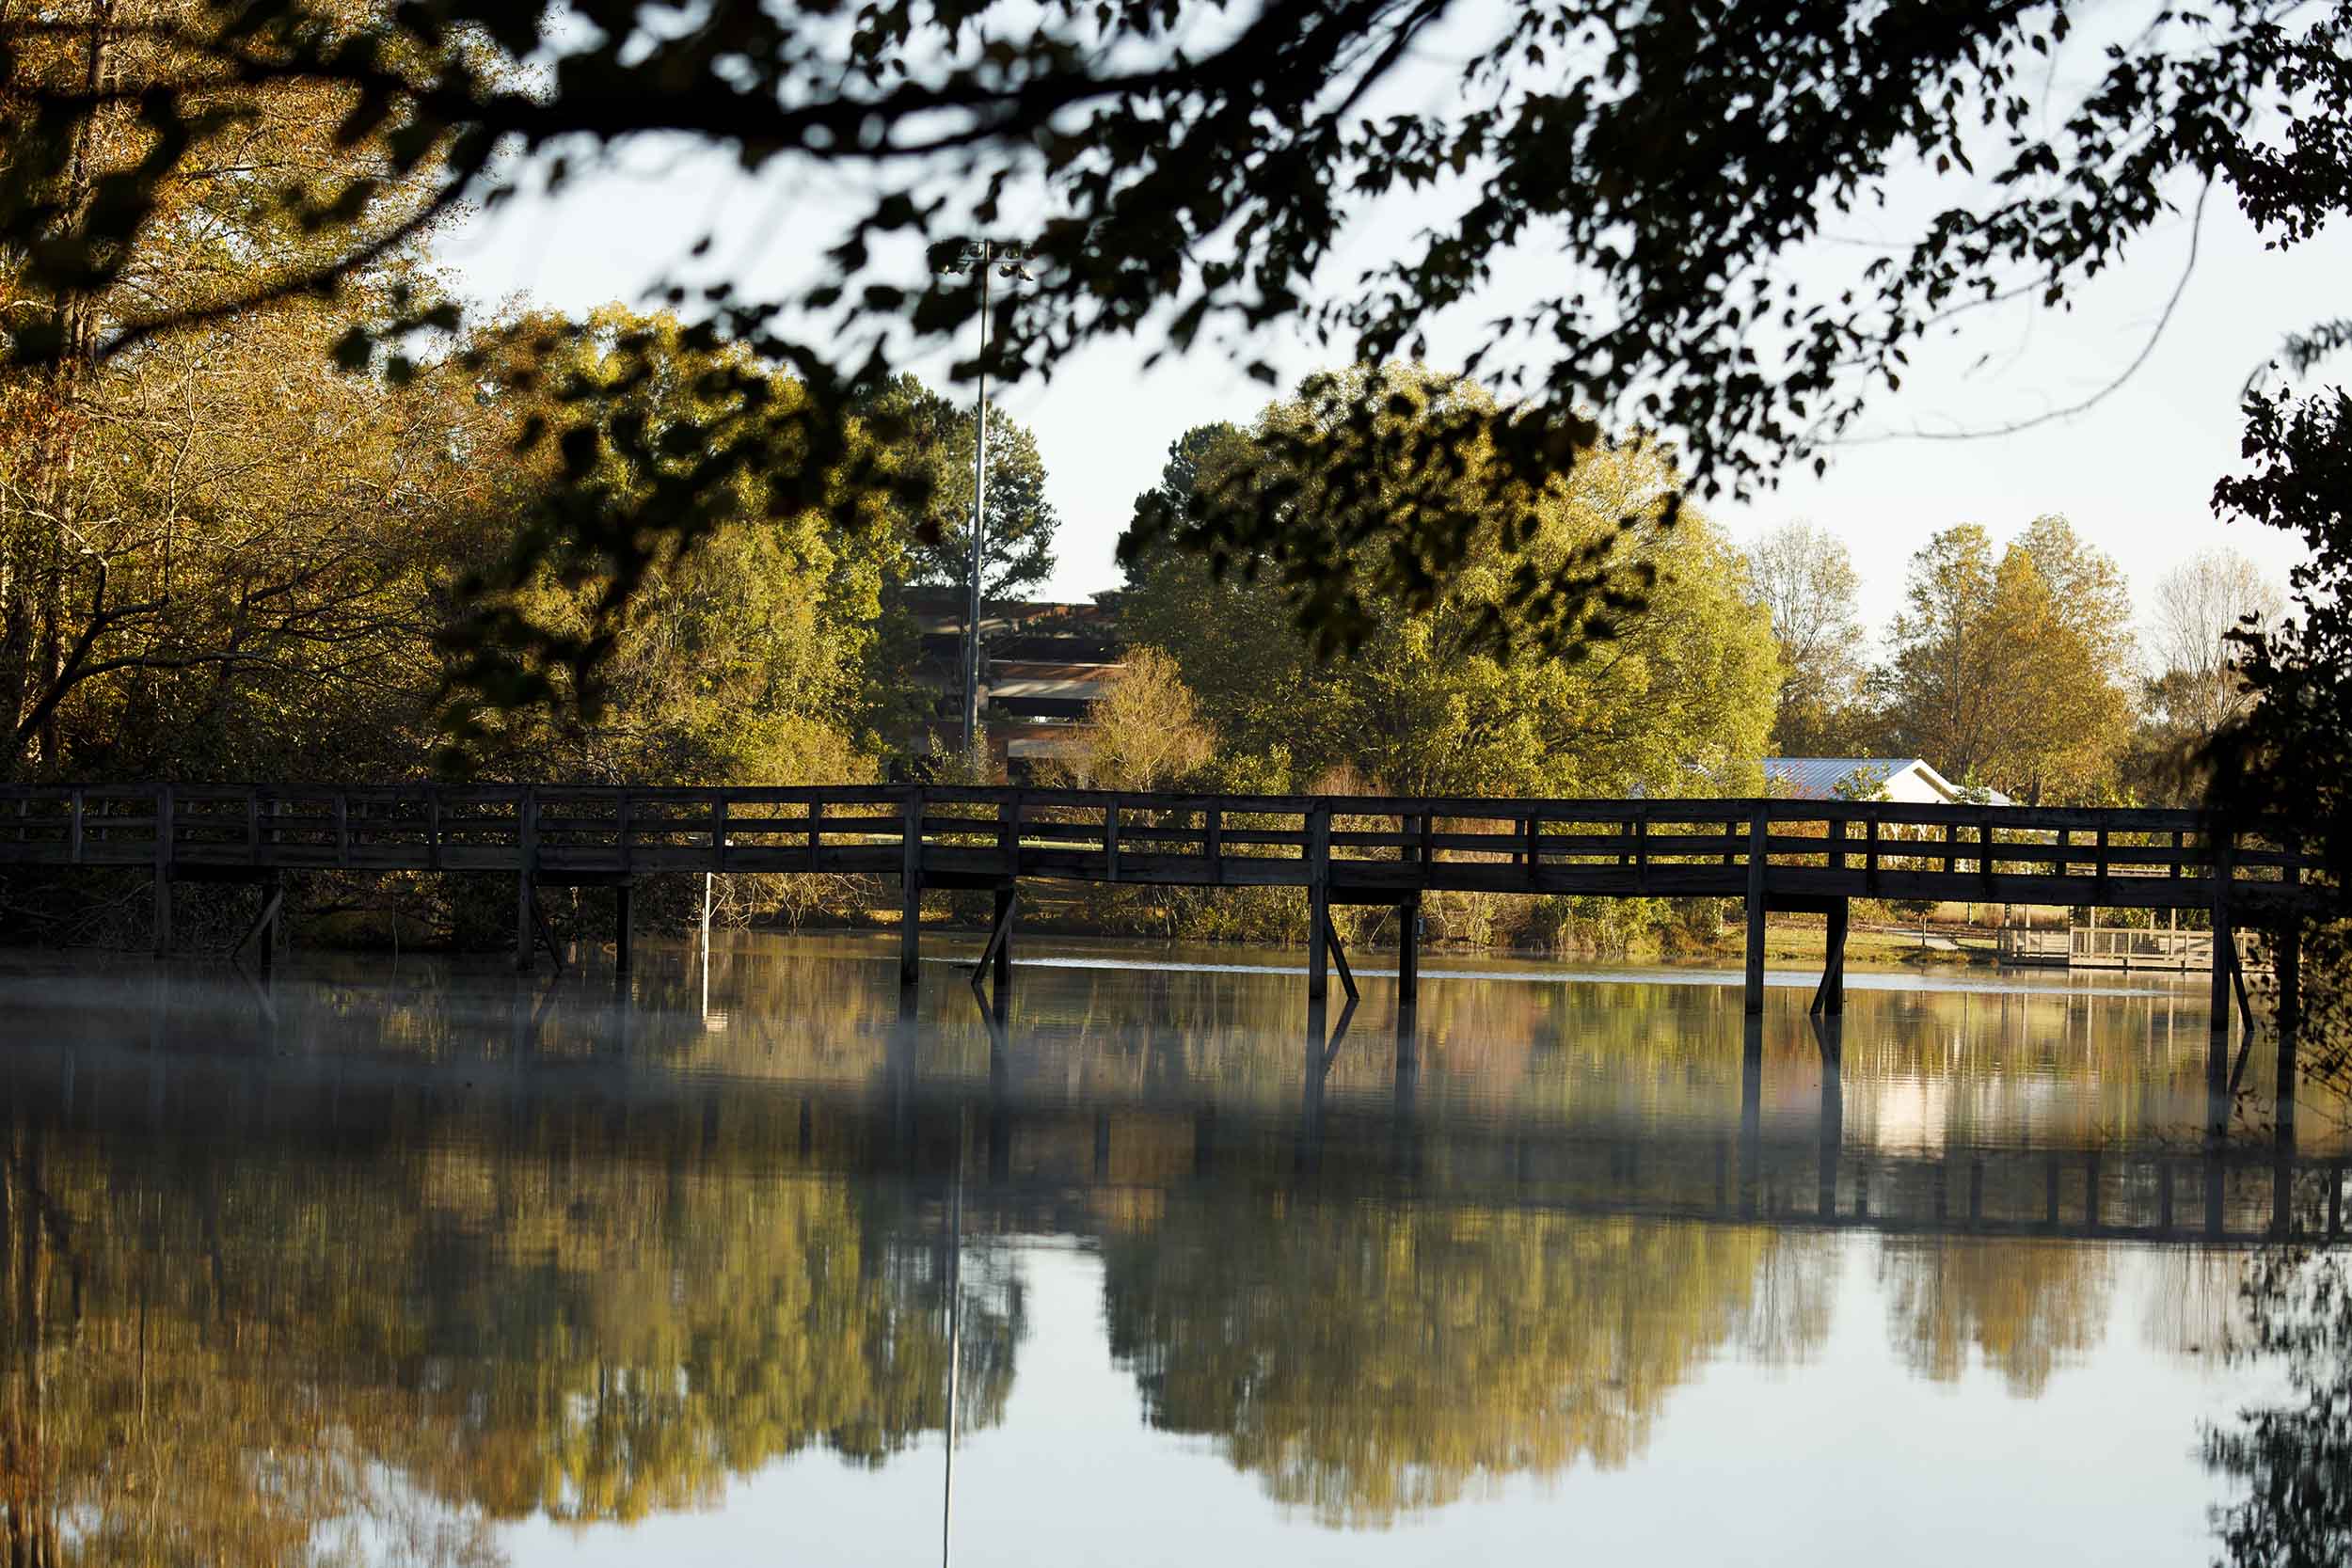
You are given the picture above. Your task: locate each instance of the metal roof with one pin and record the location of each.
(1817, 778)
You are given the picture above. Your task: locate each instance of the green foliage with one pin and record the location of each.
(684, 651)
(1672, 696)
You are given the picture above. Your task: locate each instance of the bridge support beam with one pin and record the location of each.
(2218, 1017)
(1829, 998)
(163, 912)
(273, 911)
(911, 891)
(526, 878)
(265, 926)
(1408, 952)
(997, 957)
(1829, 1034)
(1751, 1111)
(1753, 990)
(526, 923)
(1318, 902)
(2288, 964)
(620, 926)
(164, 835)
(1003, 927)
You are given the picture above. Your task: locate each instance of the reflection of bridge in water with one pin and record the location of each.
(1041, 1159)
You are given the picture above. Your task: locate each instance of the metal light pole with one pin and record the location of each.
(983, 256)
(979, 522)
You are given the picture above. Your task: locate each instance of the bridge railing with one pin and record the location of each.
(1642, 845)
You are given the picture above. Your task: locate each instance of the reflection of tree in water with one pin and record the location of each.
(1792, 1299)
(2293, 1457)
(273, 1360)
(2026, 1307)
(1367, 1362)
(2194, 1301)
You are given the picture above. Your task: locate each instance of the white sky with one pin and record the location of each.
(2134, 473)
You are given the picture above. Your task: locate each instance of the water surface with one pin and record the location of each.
(422, 1263)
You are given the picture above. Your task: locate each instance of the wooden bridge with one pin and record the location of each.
(1805, 856)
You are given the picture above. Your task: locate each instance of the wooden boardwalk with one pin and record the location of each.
(1774, 855)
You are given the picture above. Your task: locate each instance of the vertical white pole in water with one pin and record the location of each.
(955, 1342)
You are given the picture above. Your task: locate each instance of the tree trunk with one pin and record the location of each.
(34, 545)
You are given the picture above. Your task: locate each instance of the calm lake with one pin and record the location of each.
(416, 1263)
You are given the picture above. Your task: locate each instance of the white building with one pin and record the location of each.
(1908, 779)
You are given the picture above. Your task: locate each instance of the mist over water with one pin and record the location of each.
(424, 1263)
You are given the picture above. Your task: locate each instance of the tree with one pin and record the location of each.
(1444, 1350)
(2010, 671)
(1805, 576)
(2025, 1311)
(537, 1327)
(2284, 760)
(1017, 542)
(1195, 186)
(2199, 604)
(1436, 700)
(741, 654)
(1148, 733)
(2291, 1454)
(189, 506)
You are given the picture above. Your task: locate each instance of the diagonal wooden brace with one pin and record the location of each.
(1338, 957)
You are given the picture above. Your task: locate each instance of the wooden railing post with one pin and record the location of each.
(622, 810)
(433, 826)
(1110, 838)
(1641, 848)
(1533, 854)
(1008, 833)
(343, 828)
(816, 829)
(76, 828)
(1217, 845)
(719, 831)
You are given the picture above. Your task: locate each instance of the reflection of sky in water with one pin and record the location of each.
(1575, 1288)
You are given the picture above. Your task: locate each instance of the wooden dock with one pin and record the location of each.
(1774, 855)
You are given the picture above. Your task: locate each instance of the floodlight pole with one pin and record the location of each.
(979, 518)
